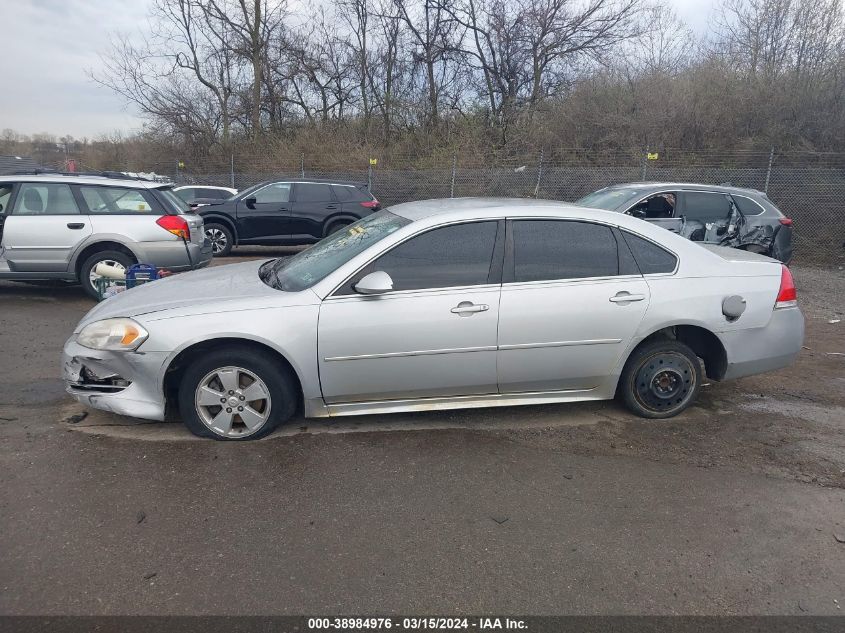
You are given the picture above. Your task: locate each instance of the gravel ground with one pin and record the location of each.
(734, 507)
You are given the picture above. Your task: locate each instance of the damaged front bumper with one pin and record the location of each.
(127, 383)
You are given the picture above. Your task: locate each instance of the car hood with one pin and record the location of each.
(219, 288)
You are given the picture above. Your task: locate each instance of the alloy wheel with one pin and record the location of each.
(93, 277)
(232, 402)
(218, 240)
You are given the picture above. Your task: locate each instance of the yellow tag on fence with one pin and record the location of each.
(374, 161)
(653, 156)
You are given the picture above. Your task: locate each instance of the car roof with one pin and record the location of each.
(492, 208)
(315, 181)
(204, 187)
(85, 179)
(654, 186)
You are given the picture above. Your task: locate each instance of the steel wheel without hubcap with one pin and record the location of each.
(218, 240)
(664, 381)
(93, 277)
(232, 402)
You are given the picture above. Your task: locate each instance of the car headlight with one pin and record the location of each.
(112, 334)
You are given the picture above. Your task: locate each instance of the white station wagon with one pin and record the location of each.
(437, 305)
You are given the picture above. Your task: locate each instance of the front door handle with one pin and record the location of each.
(466, 308)
(76, 225)
(625, 297)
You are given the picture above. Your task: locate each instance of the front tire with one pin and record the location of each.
(88, 278)
(236, 394)
(221, 239)
(660, 379)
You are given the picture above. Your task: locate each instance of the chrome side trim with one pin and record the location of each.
(464, 402)
(464, 350)
(598, 341)
(40, 248)
(422, 352)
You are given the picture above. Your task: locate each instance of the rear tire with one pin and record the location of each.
(334, 227)
(221, 239)
(86, 271)
(236, 393)
(660, 379)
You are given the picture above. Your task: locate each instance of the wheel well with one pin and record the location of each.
(101, 246)
(349, 219)
(703, 342)
(173, 375)
(220, 219)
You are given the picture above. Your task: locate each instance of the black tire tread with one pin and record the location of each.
(626, 387)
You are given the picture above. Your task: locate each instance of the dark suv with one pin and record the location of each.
(727, 216)
(285, 212)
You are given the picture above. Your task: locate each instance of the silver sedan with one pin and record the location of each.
(438, 305)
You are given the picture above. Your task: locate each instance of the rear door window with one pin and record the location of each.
(45, 199)
(117, 200)
(313, 192)
(562, 249)
(706, 207)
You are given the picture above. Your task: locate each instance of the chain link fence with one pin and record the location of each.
(807, 187)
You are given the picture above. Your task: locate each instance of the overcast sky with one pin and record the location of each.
(49, 44)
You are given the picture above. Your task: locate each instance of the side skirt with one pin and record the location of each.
(315, 408)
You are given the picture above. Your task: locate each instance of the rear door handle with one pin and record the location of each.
(332, 206)
(467, 308)
(625, 297)
(76, 225)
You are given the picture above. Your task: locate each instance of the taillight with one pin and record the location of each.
(786, 221)
(175, 224)
(787, 297)
(371, 204)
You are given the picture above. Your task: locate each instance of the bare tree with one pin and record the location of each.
(435, 36)
(251, 24)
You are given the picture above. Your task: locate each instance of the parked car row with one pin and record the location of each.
(429, 305)
(304, 211)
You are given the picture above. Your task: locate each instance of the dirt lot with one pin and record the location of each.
(733, 507)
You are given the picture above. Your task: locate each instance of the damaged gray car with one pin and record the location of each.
(721, 215)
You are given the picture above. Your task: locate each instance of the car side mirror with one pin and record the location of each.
(250, 202)
(375, 283)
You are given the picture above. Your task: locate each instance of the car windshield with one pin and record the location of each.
(609, 199)
(312, 265)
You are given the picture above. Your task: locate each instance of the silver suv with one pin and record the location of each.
(60, 226)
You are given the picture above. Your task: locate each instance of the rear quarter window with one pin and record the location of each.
(117, 200)
(747, 206)
(650, 257)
